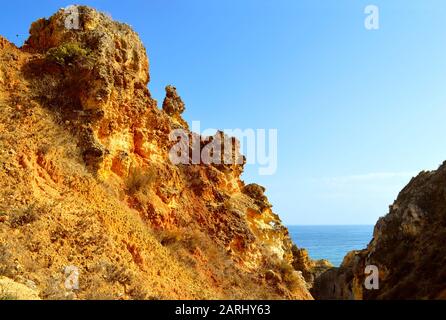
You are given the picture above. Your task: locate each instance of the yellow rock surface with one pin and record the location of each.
(10, 290)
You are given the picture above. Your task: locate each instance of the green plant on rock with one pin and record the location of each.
(68, 53)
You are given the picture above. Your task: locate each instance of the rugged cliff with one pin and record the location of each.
(86, 181)
(408, 247)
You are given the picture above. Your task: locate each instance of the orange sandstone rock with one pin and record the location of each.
(86, 181)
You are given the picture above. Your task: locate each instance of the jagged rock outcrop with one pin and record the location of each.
(96, 78)
(407, 247)
(174, 106)
(257, 193)
(86, 180)
(311, 269)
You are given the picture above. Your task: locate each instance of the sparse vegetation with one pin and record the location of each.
(189, 240)
(140, 181)
(139, 293)
(54, 289)
(68, 53)
(168, 237)
(125, 277)
(3, 216)
(119, 274)
(280, 272)
(289, 276)
(6, 261)
(6, 296)
(24, 217)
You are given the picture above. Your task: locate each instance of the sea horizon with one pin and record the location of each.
(331, 242)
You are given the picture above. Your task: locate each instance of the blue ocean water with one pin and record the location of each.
(331, 242)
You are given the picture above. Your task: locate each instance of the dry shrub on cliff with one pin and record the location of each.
(53, 289)
(6, 261)
(24, 217)
(190, 240)
(180, 244)
(140, 181)
(138, 292)
(99, 287)
(196, 239)
(118, 274)
(184, 243)
(279, 271)
(169, 237)
(290, 276)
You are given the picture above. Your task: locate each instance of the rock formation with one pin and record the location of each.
(408, 247)
(311, 269)
(174, 106)
(86, 181)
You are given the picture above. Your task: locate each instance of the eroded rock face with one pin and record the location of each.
(407, 247)
(119, 61)
(95, 76)
(87, 180)
(311, 269)
(174, 106)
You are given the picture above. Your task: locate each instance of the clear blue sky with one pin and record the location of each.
(358, 112)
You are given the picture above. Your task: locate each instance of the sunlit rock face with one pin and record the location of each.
(87, 180)
(408, 247)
